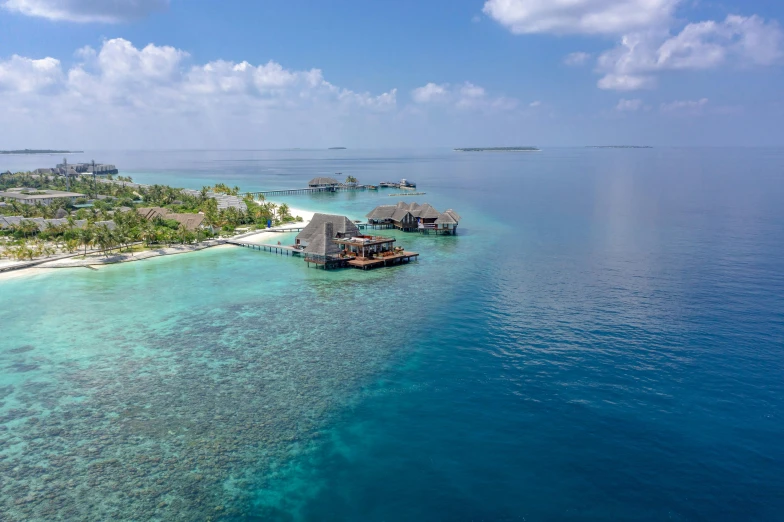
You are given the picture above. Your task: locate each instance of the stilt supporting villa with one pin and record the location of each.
(414, 218)
(332, 241)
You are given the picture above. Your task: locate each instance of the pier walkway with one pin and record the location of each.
(265, 247)
(314, 190)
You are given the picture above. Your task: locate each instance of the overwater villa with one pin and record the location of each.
(414, 217)
(333, 241)
(323, 182)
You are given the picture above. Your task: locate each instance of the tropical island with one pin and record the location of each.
(498, 149)
(41, 151)
(337, 148)
(619, 147)
(51, 217)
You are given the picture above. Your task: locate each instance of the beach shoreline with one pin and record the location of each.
(99, 259)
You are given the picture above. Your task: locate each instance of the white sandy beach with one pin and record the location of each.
(96, 260)
(272, 237)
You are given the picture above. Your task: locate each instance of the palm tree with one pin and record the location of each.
(105, 238)
(148, 233)
(351, 180)
(86, 236)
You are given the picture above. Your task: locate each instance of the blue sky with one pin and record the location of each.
(191, 74)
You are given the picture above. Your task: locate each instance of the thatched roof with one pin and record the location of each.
(426, 212)
(341, 227)
(382, 212)
(153, 212)
(43, 224)
(400, 214)
(9, 221)
(399, 211)
(446, 219)
(191, 222)
(452, 213)
(321, 243)
(323, 180)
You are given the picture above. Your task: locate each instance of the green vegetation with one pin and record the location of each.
(498, 149)
(40, 151)
(26, 240)
(221, 188)
(351, 180)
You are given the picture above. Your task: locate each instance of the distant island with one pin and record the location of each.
(41, 151)
(498, 149)
(337, 148)
(619, 147)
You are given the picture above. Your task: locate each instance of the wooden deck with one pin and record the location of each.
(366, 263)
(310, 190)
(277, 249)
(363, 263)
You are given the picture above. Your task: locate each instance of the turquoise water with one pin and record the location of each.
(602, 341)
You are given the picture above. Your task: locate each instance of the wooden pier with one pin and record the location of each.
(314, 190)
(282, 250)
(363, 263)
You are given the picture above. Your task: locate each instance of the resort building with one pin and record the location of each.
(9, 222)
(73, 169)
(33, 196)
(323, 182)
(228, 201)
(334, 241)
(414, 218)
(190, 222)
(342, 227)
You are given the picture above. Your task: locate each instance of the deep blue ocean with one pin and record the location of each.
(603, 340)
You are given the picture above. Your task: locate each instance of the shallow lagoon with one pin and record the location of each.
(603, 340)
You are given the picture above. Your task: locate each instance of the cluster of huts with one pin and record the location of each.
(190, 222)
(8, 222)
(334, 241)
(413, 217)
(34, 196)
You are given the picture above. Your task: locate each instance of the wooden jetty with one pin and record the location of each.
(309, 190)
(282, 250)
(363, 263)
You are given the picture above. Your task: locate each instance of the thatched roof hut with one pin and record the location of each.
(322, 244)
(323, 181)
(341, 227)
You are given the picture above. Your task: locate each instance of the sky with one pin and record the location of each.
(193, 74)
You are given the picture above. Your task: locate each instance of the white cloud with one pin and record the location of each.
(625, 105)
(471, 91)
(577, 59)
(141, 91)
(104, 11)
(703, 45)
(24, 75)
(463, 96)
(536, 103)
(430, 93)
(623, 82)
(579, 16)
(692, 106)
